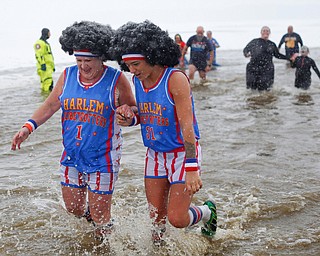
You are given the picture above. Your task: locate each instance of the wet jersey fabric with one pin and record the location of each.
(91, 137)
(160, 126)
(291, 42)
(199, 51)
(260, 69)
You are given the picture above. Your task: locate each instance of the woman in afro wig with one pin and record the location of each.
(168, 126)
(88, 94)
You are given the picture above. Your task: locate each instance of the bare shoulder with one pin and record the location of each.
(179, 80)
(178, 77)
(123, 81)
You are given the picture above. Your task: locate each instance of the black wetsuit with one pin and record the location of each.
(303, 72)
(260, 69)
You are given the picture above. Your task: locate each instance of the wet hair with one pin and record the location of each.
(147, 39)
(304, 50)
(265, 28)
(87, 35)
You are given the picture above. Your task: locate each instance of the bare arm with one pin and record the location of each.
(51, 104)
(211, 57)
(184, 50)
(180, 90)
(126, 95)
(128, 107)
(42, 114)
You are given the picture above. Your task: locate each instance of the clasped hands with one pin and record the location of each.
(124, 115)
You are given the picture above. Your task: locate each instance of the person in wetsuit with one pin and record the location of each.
(260, 69)
(303, 64)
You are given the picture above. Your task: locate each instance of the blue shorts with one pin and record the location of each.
(169, 165)
(97, 182)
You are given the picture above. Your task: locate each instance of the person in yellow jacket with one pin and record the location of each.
(45, 62)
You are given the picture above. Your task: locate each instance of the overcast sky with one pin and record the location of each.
(22, 20)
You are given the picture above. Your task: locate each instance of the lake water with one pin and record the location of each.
(260, 161)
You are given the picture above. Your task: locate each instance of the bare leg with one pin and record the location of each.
(157, 195)
(75, 200)
(100, 207)
(202, 74)
(178, 206)
(100, 210)
(192, 70)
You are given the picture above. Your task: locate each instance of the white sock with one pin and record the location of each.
(197, 213)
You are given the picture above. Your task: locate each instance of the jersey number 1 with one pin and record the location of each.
(78, 137)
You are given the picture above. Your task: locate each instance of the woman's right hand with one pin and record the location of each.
(19, 137)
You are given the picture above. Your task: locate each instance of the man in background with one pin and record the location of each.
(45, 63)
(292, 41)
(215, 45)
(200, 47)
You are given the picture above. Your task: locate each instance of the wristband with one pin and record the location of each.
(135, 120)
(31, 125)
(191, 165)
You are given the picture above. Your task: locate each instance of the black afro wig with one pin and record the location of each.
(87, 35)
(147, 39)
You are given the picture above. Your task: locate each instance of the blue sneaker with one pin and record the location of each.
(210, 227)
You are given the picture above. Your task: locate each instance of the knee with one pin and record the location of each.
(177, 221)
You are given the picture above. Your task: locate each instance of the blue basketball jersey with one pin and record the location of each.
(91, 137)
(160, 126)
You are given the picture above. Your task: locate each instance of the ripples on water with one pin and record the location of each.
(260, 165)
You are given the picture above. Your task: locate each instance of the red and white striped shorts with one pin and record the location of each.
(168, 165)
(97, 182)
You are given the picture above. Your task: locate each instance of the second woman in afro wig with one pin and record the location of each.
(147, 39)
(168, 126)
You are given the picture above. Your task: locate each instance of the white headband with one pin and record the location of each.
(133, 56)
(84, 53)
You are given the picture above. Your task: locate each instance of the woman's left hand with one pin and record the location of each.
(193, 182)
(124, 115)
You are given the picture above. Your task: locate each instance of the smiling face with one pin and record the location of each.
(90, 68)
(265, 32)
(140, 68)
